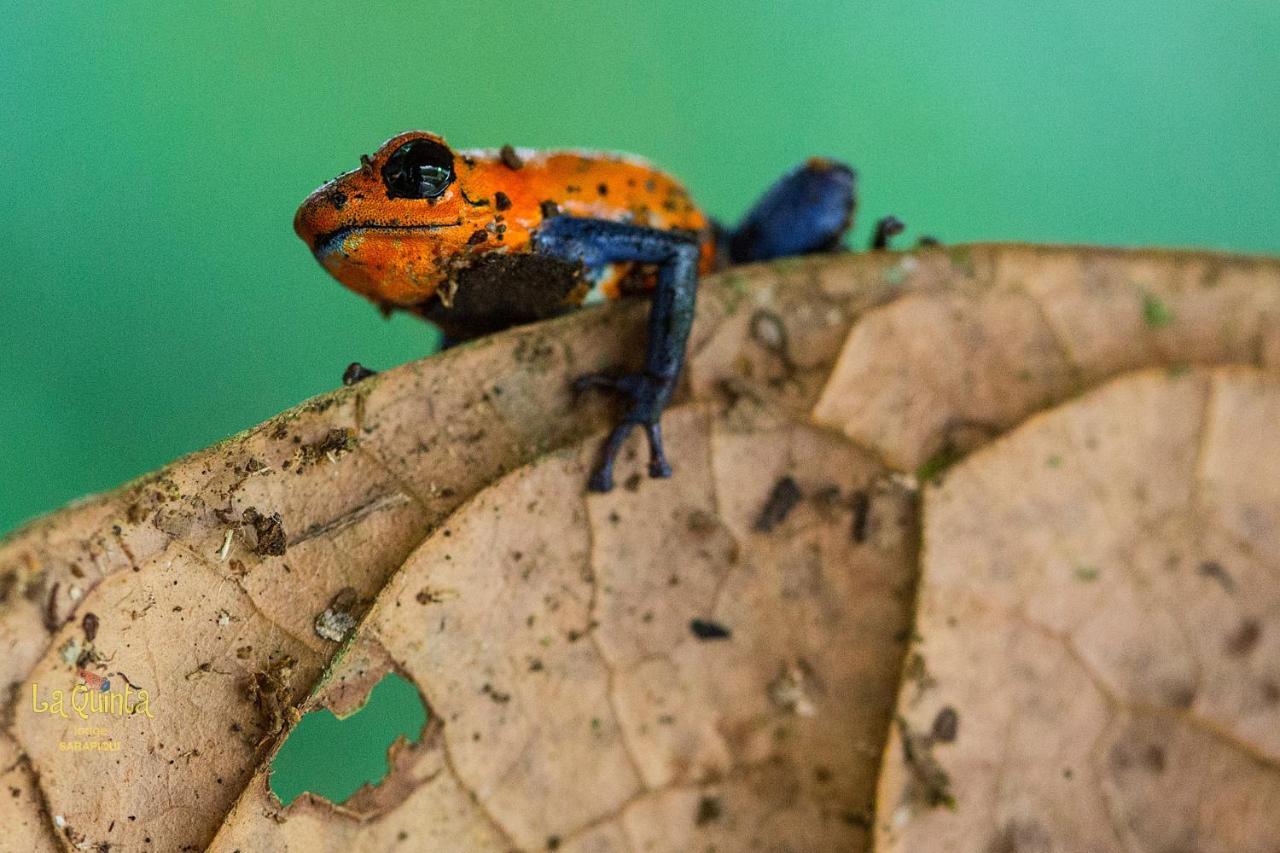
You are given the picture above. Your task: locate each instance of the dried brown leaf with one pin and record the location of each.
(716, 655)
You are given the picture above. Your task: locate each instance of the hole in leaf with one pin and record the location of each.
(332, 757)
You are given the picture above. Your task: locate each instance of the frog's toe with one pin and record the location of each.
(602, 478)
(590, 381)
(597, 382)
(659, 467)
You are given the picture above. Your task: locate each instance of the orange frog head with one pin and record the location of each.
(400, 229)
(390, 229)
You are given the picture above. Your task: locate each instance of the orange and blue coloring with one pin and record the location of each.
(476, 241)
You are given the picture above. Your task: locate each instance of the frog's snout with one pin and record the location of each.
(309, 222)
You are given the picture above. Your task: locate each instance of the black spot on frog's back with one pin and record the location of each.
(499, 290)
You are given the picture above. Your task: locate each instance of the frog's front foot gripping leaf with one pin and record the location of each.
(647, 396)
(808, 210)
(596, 243)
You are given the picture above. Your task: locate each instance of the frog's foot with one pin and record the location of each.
(648, 396)
(659, 467)
(604, 381)
(808, 210)
(886, 227)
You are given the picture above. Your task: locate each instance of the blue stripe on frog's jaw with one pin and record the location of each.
(327, 244)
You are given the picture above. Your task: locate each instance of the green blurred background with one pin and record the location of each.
(155, 298)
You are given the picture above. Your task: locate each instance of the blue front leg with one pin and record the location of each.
(596, 243)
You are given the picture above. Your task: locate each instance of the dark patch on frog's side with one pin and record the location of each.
(497, 291)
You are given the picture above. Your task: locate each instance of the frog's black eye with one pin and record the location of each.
(422, 168)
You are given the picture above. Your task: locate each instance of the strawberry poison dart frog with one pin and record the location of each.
(476, 241)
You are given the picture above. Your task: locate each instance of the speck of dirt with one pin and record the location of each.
(8, 581)
(1244, 638)
(701, 522)
(917, 672)
(1180, 695)
(768, 330)
(932, 469)
(782, 499)
(632, 483)
(495, 694)
(271, 540)
(945, 726)
(51, 621)
(553, 842)
(510, 158)
(90, 625)
(268, 690)
(709, 811)
(1213, 569)
(705, 629)
(930, 783)
(861, 516)
(793, 689)
(335, 444)
(501, 200)
(1021, 836)
(337, 620)
(1086, 573)
(33, 589)
(427, 595)
(356, 372)
(1155, 313)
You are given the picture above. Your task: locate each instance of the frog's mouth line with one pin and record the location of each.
(327, 244)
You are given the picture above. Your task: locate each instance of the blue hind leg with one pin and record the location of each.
(808, 210)
(594, 243)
